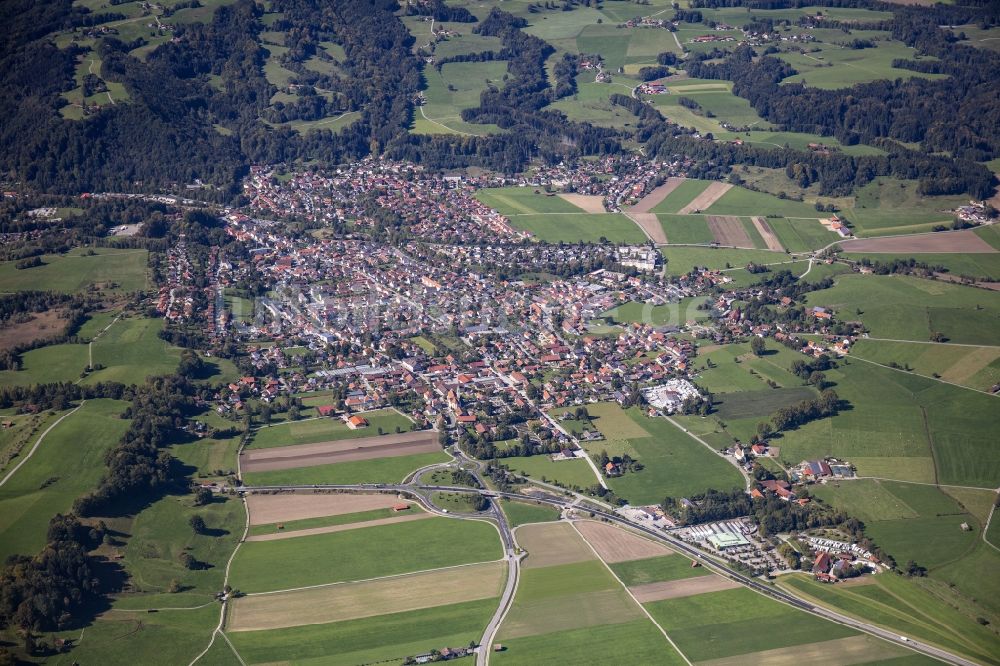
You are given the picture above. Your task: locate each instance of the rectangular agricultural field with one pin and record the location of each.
(681, 196)
(378, 470)
(328, 429)
(363, 553)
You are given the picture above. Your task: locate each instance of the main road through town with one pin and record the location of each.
(510, 549)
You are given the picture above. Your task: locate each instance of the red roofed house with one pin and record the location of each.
(326, 410)
(822, 563)
(355, 422)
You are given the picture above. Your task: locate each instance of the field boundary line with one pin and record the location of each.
(708, 446)
(920, 483)
(450, 129)
(232, 647)
(629, 593)
(986, 527)
(225, 581)
(38, 442)
(371, 580)
(933, 379)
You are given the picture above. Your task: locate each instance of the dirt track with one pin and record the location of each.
(267, 509)
(653, 199)
(344, 450)
(767, 233)
(650, 225)
(617, 545)
(686, 587)
(728, 230)
(940, 242)
(291, 534)
(709, 196)
(590, 203)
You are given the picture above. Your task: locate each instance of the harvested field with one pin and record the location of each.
(549, 544)
(325, 453)
(338, 528)
(267, 509)
(770, 238)
(588, 203)
(617, 545)
(686, 587)
(650, 201)
(938, 242)
(709, 196)
(728, 230)
(650, 224)
(840, 651)
(349, 601)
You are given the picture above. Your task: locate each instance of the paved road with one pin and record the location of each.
(658, 535)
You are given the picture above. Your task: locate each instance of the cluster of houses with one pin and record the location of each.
(652, 88)
(976, 212)
(837, 225)
(835, 560)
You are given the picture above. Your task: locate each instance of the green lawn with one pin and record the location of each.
(68, 463)
(455, 88)
(379, 470)
(568, 473)
(46, 365)
(120, 270)
(325, 429)
(363, 553)
(382, 638)
(522, 513)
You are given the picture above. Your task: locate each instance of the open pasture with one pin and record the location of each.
(114, 270)
(416, 546)
(680, 260)
(908, 308)
(68, 463)
(299, 531)
(686, 229)
(326, 453)
(975, 265)
(351, 601)
(832, 66)
(524, 201)
(681, 195)
(591, 646)
(975, 367)
(685, 587)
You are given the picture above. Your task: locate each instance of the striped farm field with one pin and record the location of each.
(381, 638)
(351, 601)
(681, 196)
(361, 554)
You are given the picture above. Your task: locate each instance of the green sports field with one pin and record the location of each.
(361, 553)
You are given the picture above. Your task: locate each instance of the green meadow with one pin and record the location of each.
(909, 308)
(67, 464)
(656, 569)
(975, 367)
(567, 473)
(581, 228)
(362, 553)
(681, 260)
(117, 270)
(522, 513)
